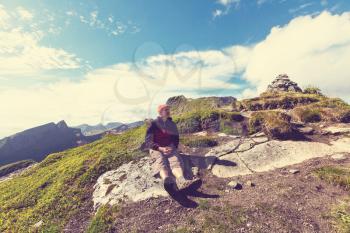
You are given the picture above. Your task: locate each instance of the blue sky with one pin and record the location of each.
(100, 61)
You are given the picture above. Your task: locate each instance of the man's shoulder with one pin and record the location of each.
(153, 123)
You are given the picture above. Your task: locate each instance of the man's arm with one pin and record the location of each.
(149, 142)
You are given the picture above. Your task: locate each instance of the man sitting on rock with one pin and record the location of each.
(162, 139)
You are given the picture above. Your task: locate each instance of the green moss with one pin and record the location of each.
(196, 121)
(275, 124)
(8, 168)
(332, 103)
(103, 220)
(279, 100)
(57, 188)
(308, 115)
(180, 105)
(198, 141)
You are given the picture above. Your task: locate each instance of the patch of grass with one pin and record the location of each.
(223, 220)
(339, 176)
(56, 189)
(312, 90)
(103, 219)
(275, 124)
(328, 109)
(335, 175)
(204, 204)
(181, 105)
(344, 116)
(279, 100)
(209, 119)
(9, 168)
(310, 115)
(331, 103)
(199, 141)
(181, 230)
(341, 214)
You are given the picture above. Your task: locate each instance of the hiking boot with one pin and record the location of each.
(183, 183)
(170, 184)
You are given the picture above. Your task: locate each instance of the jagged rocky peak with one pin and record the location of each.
(283, 83)
(62, 125)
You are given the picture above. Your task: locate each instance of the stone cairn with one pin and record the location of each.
(283, 83)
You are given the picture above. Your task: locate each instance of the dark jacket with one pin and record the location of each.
(161, 134)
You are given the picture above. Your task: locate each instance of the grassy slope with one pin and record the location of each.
(58, 187)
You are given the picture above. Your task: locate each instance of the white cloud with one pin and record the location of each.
(300, 7)
(312, 50)
(228, 2)
(21, 53)
(226, 7)
(4, 17)
(108, 24)
(217, 13)
(24, 14)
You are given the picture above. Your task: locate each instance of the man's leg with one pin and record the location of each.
(177, 166)
(161, 165)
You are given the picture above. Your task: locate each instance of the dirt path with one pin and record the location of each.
(280, 201)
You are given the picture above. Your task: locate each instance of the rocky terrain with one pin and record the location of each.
(283, 83)
(275, 163)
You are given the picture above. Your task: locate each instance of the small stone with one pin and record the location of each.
(222, 135)
(339, 156)
(250, 183)
(306, 130)
(294, 171)
(167, 211)
(249, 224)
(38, 224)
(235, 185)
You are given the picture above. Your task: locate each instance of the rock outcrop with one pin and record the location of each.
(283, 83)
(180, 104)
(259, 154)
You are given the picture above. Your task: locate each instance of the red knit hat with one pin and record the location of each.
(162, 107)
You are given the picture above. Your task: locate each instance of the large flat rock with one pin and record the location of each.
(277, 154)
(134, 181)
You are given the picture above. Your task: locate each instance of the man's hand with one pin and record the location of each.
(166, 150)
